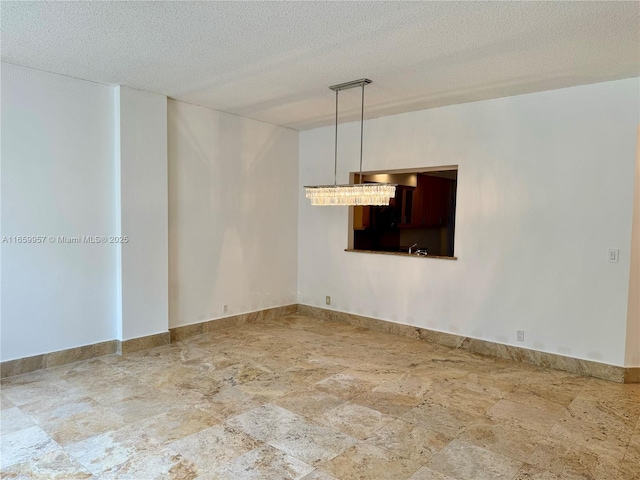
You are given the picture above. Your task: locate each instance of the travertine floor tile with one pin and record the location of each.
(214, 447)
(524, 416)
(460, 398)
(312, 443)
(12, 419)
(433, 416)
(551, 391)
(21, 446)
(568, 460)
(426, 473)
(309, 402)
(409, 440)
(266, 422)
(504, 438)
(390, 403)
(229, 401)
(297, 397)
(630, 466)
(37, 385)
(608, 442)
(52, 409)
(82, 425)
(344, 385)
(607, 413)
(364, 461)
(161, 464)
(355, 420)
(529, 472)
(319, 475)
(262, 463)
(5, 402)
(53, 465)
(468, 462)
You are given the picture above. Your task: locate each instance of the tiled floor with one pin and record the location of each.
(297, 397)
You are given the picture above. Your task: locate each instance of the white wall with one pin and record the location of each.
(142, 213)
(545, 187)
(233, 193)
(57, 179)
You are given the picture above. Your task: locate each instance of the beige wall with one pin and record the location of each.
(632, 352)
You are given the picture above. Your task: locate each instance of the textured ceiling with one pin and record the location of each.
(274, 61)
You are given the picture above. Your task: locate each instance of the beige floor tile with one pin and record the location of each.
(409, 440)
(390, 403)
(12, 419)
(602, 390)
(426, 473)
(469, 462)
(537, 420)
(53, 465)
(529, 472)
(211, 448)
(319, 475)
(502, 437)
(566, 459)
(364, 461)
(32, 387)
(607, 413)
(161, 464)
(207, 407)
(82, 425)
(25, 444)
(433, 416)
(312, 443)
(266, 422)
(309, 402)
(51, 409)
(344, 385)
(553, 392)
(101, 453)
(263, 463)
(463, 399)
(589, 435)
(355, 420)
(230, 401)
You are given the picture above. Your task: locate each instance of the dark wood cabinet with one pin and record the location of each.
(434, 194)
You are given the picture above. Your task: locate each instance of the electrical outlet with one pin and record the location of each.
(327, 300)
(521, 335)
(614, 254)
(225, 308)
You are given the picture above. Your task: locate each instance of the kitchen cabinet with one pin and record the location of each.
(361, 217)
(432, 207)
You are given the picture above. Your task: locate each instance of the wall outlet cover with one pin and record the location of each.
(327, 300)
(521, 335)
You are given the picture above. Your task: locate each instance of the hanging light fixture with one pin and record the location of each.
(352, 194)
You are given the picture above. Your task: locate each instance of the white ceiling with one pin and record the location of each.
(274, 61)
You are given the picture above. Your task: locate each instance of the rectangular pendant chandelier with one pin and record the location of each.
(359, 194)
(351, 195)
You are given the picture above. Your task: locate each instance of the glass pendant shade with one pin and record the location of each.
(353, 194)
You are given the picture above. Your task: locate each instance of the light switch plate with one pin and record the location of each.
(614, 255)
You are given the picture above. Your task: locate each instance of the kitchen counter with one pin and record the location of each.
(401, 254)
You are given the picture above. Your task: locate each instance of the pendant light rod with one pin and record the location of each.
(361, 129)
(335, 171)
